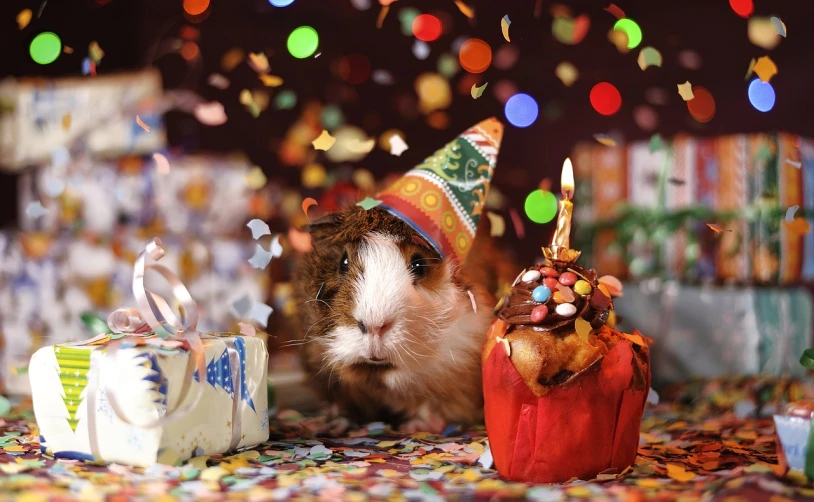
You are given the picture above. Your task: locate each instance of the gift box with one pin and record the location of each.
(231, 413)
(154, 389)
(794, 432)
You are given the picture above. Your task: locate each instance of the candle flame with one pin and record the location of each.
(567, 179)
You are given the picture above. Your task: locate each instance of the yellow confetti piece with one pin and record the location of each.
(142, 124)
(583, 329)
(679, 473)
(765, 68)
(95, 52)
(505, 22)
(465, 9)
(387, 444)
(357, 146)
(324, 141)
(168, 457)
(198, 462)
(476, 91)
(23, 18)
(66, 121)
(649, 56)
(256, 179)
(579, 491)
(685, 91)
(308, 202)
(471, 476)
(605, 139)
(14, 468)
(497, 223)
(271, 80)
(259, 62)
(567, 73)
(649, 483)
(213, 473)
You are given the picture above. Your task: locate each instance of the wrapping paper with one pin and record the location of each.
(232, 412)
(577, 430)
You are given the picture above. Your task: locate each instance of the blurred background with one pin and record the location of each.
(687, 123)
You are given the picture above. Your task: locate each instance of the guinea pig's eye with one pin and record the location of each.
(344, 263)
(418, 266)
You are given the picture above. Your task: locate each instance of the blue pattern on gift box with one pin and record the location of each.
(156, 376)
(240, 345)
(219, 372)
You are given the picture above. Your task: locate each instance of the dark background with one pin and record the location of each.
(129, 31)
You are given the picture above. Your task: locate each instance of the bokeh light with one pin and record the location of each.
(702, 105)
(743, 8)
(195, 7)
(433, 92)
(406, 17)
(605, 98)
(281, 3)
(303, 42)
(541, 206)
(631, 29)
(521, 110)
(426, 27)
(761, 95)
(354, 68)
(475, 55)
(45, 48)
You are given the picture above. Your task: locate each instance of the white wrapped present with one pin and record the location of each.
(154, 391)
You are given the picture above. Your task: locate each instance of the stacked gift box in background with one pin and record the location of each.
(91, 194)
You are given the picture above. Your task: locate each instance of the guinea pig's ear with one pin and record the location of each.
(324, 227)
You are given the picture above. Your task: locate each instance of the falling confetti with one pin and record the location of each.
(717, 228)
(397, 145)
(162, 165)
(649, 56)
(95, 53)
(570, 31)
(218, 81)
(368, 203)
(308, 202)
(245, 329)
(465, 9)
(211, 114)
(605, 139)
(476, 91)
(259, 62)
(765, 68)
(612, 285)
(271, 80)
(382, 14)
(261, 258)
(260, 313)
(762, 32)
(299, 241)
(35, 210)
(324, 141)
(497, 224)
(472, 299)
(357, 146)
(790, 212)
(142, 124)
(779, 26)
(505, 22)
(276, 248)
(256, 179)
(685, 91)
(615, 11)
(567, 73)
(259, 228)
(23, 18)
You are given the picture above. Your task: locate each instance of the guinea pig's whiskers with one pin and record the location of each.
(316, 300)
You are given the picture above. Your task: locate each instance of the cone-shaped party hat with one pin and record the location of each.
(443, 197)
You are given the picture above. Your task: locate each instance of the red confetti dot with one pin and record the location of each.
(354, 68)
(743, 8)
(702, 105)
(605, 98)
(426, 27)
(475, 55)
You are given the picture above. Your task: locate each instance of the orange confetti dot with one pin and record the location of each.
(702, 105)
(196, 7)
(475, 55)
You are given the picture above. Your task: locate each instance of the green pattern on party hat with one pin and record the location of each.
(74, 365)
(443, 197)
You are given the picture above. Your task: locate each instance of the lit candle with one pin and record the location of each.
(562, 235)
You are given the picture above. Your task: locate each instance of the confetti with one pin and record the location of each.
(95, 53)
(256, 179)
(779, 26)
(308, 202)
(397, 145)
(505, 22)
(23, 18)
(276, 248)
(567, 73)
(142, 124)
(357, 146)
(248, 330)
(35, 210)
(271, 80)
(649, 56)
(717, 228)
(612, 284)
(218, 81)
(259, 228)
(762, 32)
(685, 91)
(605, 139)
(66, 121)
(497, 224)
(382, 14)
(211, 114)
(465, 9)
(517, 223)
(259, 62)
(260, 313)
(472, 299)
(242, 306)
(324, 141)
(765, 68)
(583, 329)
(476, 91)
(261, 258)
(679, 473)
(368, 203)
(162, 165)
(615, 11)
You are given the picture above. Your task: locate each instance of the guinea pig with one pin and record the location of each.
(390, 330)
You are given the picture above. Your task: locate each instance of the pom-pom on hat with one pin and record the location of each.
(443, 197)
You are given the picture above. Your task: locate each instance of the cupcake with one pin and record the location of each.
(564, 391)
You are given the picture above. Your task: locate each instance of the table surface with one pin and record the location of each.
(711, 439)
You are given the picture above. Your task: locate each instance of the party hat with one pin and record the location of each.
(443, 197)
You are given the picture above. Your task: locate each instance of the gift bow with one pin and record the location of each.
(154, 315)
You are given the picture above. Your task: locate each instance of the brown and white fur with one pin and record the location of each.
(389, 331)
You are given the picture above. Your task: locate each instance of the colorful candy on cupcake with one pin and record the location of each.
(564, 390)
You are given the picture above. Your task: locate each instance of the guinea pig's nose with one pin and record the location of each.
(378, 330)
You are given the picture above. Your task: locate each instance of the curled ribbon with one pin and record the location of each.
(154, 315)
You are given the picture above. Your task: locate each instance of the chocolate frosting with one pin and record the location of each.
(517, 306)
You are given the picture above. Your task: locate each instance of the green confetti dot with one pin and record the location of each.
(541, 206)
(45, 48)
(303, 42)
(368, 203)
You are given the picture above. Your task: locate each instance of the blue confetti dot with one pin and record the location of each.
(541, 294)
(521, 110)
(281, 3)
(761, 95)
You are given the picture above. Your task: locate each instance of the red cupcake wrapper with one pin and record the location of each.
(580, 429)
